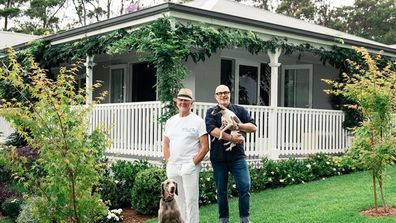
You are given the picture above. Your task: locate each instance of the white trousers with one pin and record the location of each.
(187, 177)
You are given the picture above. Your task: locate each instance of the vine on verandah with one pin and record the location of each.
(167, 43)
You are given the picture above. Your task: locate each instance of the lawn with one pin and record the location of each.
(336, 199)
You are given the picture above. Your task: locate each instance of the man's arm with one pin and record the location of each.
(204, 141)
(165, 149)
(247, 127)
(237, 139)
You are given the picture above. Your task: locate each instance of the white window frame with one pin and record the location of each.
(297, 67)
(244, 62)
(114, 67)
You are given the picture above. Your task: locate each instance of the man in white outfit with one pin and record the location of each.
(185, 144)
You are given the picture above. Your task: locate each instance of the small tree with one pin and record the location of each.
(54, 122)
(374, 91)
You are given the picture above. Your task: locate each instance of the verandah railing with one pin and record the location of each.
(135, 130)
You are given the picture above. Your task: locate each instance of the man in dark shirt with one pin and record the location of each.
(233, 161)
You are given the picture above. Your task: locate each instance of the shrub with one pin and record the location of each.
(207, 188)
(26, 215)
(113, 216)
(11, 207)
(322, 166)
(146, 190)
(5, 193)
(124, 177)
(259, 179)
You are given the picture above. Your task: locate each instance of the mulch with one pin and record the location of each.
(130, 216)
(391, 212)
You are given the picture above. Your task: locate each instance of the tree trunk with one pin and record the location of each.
(380, 183)
(375, 193)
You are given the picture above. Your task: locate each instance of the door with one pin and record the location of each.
(117, 84)
(296, 86)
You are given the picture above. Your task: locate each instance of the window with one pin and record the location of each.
(117, 84)
(296, 86)
(251, 85)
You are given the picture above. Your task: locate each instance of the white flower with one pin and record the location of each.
(327, 162)
(323, 178)
(208, 179)
(272, 172)
(334, 169)
(116, 181)
(269, 179)
(288, 175)
(308, 166)
(293, 179)
(233, 186)
(281, 180)
(303, 182)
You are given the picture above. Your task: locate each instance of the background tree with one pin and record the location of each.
(43, 16)
(301, 9)
(371, 19)
(10, 9)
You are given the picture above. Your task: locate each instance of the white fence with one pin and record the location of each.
(135, 130)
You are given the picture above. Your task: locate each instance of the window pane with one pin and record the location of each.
(227, 75)
(265, 84)
(117, 85)
(296, 88)
(248, 82)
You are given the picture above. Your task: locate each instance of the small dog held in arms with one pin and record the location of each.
(169, 211)
(230, 121)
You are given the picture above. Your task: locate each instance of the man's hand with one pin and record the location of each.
(236, 137)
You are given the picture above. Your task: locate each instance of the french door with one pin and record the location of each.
(296, 86)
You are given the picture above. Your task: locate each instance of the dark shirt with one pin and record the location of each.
(217, 148)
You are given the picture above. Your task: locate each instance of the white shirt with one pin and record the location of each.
(183, 134)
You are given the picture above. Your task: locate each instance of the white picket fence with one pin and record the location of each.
(135, 130)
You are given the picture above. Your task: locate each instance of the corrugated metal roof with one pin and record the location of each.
(9, 39)
(226, 11)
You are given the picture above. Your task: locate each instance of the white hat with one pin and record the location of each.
(185, 94)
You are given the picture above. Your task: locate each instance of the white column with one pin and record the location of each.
(274, 64)
(273, 125)
(89, 64)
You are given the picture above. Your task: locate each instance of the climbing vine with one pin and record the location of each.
(167, 43)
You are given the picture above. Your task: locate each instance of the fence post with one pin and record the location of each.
(272, 134)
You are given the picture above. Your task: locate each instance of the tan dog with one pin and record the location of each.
(169, 211)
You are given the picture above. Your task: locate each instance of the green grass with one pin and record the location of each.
(336, 200)
(6, 221)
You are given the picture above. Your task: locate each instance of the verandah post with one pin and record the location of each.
(273, 120)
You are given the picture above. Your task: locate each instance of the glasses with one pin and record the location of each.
(222, 93)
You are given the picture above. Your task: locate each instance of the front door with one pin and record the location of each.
(296, 87)
(117, 83)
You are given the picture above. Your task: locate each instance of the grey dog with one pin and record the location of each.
(169, 211)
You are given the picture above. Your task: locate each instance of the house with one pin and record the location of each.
(283, 91)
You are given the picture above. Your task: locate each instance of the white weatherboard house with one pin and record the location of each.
(284, 93)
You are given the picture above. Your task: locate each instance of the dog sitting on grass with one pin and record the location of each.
(169, 211)
(229, 121)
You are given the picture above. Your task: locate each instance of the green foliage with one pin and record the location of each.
(373, 89)
(54, 122)
(207, 188)
(11, 207)
(146, 191)
(26, 215)
(117, 188)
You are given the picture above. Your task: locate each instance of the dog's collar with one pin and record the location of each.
(168, 199)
